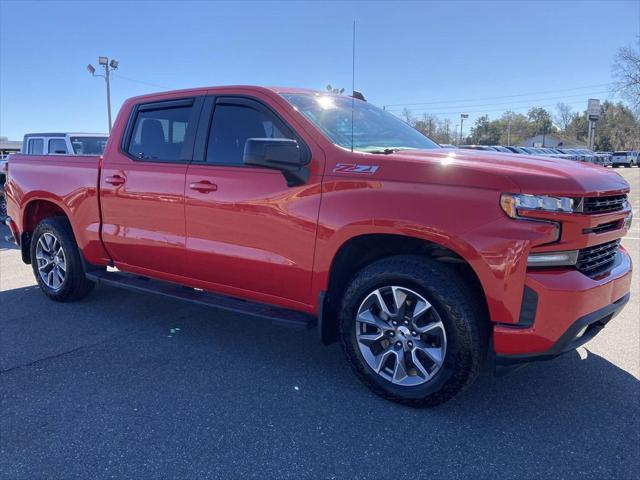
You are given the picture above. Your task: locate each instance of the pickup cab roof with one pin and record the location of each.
(64, 134)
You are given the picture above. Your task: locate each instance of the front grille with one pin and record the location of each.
(604, 204)
(595, 259)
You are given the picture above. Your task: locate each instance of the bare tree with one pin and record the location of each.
(626, 70)
(407, 116)
(564, 116)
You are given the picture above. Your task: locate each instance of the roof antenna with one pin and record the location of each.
(353, 79)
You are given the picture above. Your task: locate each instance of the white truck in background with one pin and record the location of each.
(54, 144)
(64, 143)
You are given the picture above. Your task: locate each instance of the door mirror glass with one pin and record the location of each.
(277, 153)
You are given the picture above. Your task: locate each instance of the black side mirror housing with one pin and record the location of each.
(279, 154)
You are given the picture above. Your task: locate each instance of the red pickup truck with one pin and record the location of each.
(310, 208)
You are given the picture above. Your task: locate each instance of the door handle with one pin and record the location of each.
(203, 186)
(115, 180)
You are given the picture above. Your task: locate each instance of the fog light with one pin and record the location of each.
(552, 259)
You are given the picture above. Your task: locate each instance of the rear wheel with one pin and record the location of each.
(3, 207)
(412, 330)
(56, 261)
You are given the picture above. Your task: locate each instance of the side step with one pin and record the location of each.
(278, 315)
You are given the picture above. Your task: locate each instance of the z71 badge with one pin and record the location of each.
(354, 168)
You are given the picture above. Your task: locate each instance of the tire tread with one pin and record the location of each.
(453, 294)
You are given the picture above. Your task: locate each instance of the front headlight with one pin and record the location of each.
(511, 203)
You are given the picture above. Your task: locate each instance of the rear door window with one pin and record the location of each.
(35, 146)
(57, 146)
(160, 133)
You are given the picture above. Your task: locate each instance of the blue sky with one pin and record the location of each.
(461, 55)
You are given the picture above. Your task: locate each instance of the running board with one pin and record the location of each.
(278, 315)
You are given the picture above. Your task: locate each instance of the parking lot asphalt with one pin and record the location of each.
(129, 385)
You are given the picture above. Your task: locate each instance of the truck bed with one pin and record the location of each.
(48, 182)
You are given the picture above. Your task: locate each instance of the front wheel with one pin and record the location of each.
(56, 261)
(413, 330)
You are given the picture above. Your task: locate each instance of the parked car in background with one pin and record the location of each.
(242, 192)
(580, 157)
(602, 158)
(624, 159)
(606, 158)
(478, 147)
(64, 143)
(558, 154)
(447, 145)
(500, 148)
(514, 149)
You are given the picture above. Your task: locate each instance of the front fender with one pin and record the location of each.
(467, 221)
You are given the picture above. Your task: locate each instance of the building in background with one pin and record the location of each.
(8, 146)
(552, 140)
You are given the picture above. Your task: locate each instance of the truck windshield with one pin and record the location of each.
(88, 145)
(374, 130)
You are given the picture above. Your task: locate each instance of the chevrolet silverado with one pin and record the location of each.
(309, 208)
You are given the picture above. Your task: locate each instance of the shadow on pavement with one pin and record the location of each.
(5, 244)
(144, 385)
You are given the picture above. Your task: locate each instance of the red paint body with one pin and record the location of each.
(252, 236)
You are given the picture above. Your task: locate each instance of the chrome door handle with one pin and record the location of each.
(115, 180)
(203, 186)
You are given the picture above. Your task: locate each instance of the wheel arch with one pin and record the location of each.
(35, 211)
(362, 250)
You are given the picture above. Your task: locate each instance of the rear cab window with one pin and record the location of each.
(88, 145)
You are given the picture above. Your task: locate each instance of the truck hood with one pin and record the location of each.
(526, 173)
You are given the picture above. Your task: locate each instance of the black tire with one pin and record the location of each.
(75, 285)
(3, 206)
(461, 310)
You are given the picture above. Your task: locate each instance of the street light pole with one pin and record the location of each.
(109, 66)
(106, 77)
(462, 117)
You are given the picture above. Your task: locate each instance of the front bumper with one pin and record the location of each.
(567, 309)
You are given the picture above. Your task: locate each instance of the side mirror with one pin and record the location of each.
(279, 154)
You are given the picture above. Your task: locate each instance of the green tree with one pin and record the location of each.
(331, 89)
(541, 118)
(617, 128)
(486, 132)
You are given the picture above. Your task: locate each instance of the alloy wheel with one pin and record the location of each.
(401, 336)
(52, 265)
